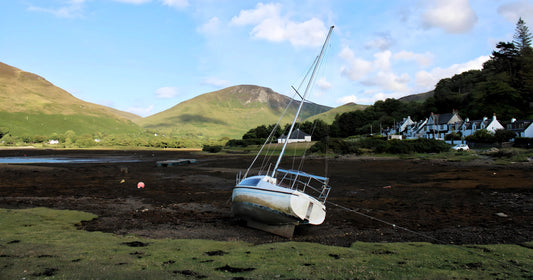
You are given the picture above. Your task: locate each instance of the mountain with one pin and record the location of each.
(31, 105)
(229, 112)
(329, 116)
(421, 97)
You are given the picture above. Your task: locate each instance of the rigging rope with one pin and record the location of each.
(427, 236)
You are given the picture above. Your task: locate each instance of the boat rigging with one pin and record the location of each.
(286, 198)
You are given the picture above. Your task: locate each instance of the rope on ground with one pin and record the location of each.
(429, 237)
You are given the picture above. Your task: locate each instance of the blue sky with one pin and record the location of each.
(145, 56)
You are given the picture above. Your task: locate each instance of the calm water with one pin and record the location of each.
(65, 160)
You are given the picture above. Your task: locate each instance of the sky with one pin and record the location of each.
(146, 56)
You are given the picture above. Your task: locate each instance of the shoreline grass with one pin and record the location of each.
(44, 243)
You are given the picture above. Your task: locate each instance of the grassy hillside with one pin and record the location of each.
(421, 97)
(329, 116)
(229, 112)
(29, 104)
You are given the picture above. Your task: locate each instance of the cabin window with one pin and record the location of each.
(250, 182)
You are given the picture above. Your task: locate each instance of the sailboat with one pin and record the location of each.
(281, 199)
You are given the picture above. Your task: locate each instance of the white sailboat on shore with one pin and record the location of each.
(279, 200)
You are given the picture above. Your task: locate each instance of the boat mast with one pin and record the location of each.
(302, 102)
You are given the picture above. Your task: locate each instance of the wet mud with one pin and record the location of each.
(372, 199)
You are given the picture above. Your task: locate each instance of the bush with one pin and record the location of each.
(523, 142)
(503, 135)
(423, 145)
(379, 145)
(453, 136)
(482, 136)
(318, 147)
(399, 147)
(338, 146)
(212, 149)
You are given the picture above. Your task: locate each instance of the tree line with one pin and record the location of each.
(70, 139)
(504, 86)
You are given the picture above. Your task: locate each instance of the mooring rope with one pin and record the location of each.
(428, 237)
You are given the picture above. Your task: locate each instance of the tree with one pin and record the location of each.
(522, 37)
(481, 136)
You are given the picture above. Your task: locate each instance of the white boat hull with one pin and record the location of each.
(264, 202)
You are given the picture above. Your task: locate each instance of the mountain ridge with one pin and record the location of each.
(228, 112)
(20, 87)
(30, 104)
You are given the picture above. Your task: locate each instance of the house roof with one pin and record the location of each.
(445, 118)
(519, 125)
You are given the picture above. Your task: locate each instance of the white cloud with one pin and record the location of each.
(308, 33)
(382, 42)
(257, 15)
(514, 10)
(382, 60)
(70, 9)
(376, 73)
(453, 16)
(427, 80)
(136, 2)
(141, 111)
(357, 68)
(323, 84)
(347, 99)
(74, 8)
(216, 82)
(178, 4)
(166, 92)
(212, 26)
(422, 60)
(389, 81)
(371, 97)
(270, 25)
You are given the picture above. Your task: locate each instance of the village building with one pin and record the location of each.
(470, 127)
(523, 128)
(296, 136)
(438, 125)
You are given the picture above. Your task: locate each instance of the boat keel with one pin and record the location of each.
(286, 231)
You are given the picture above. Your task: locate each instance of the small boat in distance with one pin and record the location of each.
(280, 200)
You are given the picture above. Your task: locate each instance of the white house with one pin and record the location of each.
(296, 136)
(470, 127)
(522, 128)
(439, 125)
(404, 124)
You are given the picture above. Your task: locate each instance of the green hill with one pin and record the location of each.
(329, 116)
(421, 97)
(31, 105)
(229, 112)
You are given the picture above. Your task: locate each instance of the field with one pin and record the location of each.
(415, 218)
